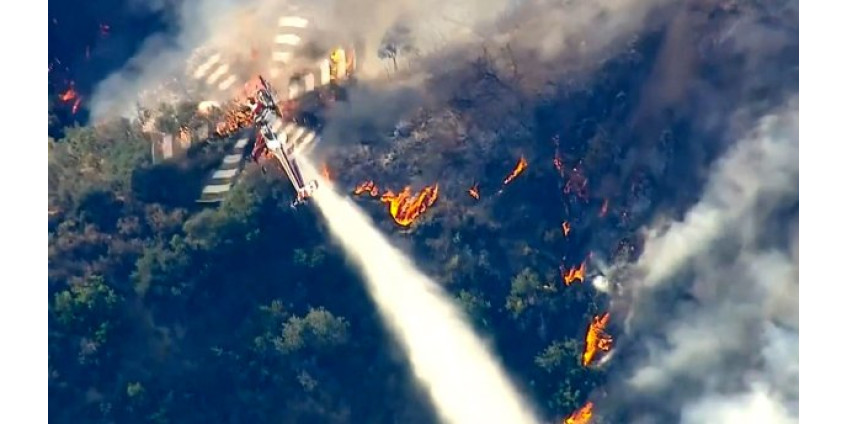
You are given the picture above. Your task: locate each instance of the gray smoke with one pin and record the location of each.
(579, 29)
(715, 304)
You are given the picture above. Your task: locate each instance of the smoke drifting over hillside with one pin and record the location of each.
(715, 304)
(551, 28)
(711, 304)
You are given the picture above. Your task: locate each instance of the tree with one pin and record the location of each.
(94, 158)
(319, 331)
(167, 120)
(566, 384)
(88, 309)
(476, 306)
(523, 292)
(397, 40)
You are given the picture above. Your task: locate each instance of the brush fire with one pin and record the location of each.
(596, 338)
(71, 95)
(404, 207)
(234, 119)
(575, 273)
(581, 416)
(325, 172)
(367, 187)
(566, 228)
(519, 168)
(474, 191)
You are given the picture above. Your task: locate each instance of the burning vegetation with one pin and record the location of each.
(575, 273)
(72, 97)
(404, 207)
(234, 119)
(596, 338)
(367, 187)
(566, 228)
(325, 172)
(519, 168)
(581, 416)
(474, 191)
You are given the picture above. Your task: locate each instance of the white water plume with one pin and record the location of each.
(465, 382)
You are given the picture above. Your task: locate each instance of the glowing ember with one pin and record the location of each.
(575, 273)
(566, 228)
(581, 416)
(596, 338)
(558, 158)
(68, 95)
(71, 95)
(519, 168)
(474, 191)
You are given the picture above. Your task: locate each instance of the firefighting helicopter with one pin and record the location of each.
(276, 127)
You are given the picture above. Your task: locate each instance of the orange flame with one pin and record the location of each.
(558, 164)
(581, 416)
(474, 191)
(566, 228)
(596, 338)
(367, 187)
(604, 208)
(325, 172)
(519, 168)
(405, 207)
(68, 95)
(575, 273)
(558, 158)
(234, 119)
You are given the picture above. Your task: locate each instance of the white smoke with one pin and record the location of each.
(601, 284)
(578, 28)
(465, 382)
(232, 28)
(729, 353)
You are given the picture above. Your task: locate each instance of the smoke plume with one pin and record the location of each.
(158, 71)
(465, 382)
(551, 28)
(715, 304)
